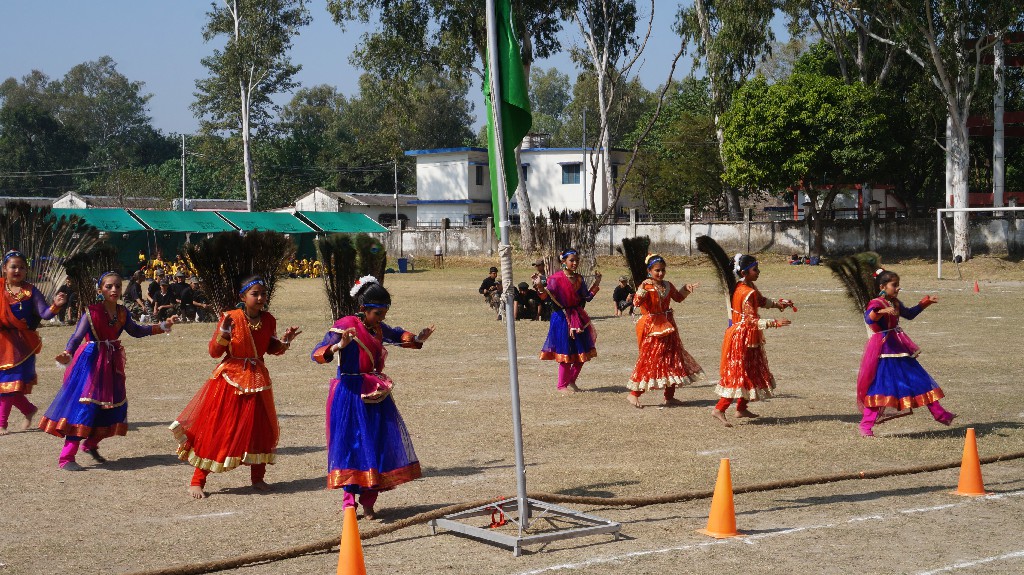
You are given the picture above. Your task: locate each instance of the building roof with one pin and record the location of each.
(443, 151)
(216, 204)
(168, 221)
(267, 221)
(104, 219)
(355, 199)
(32, 201)
(341, 222)
(117, 202)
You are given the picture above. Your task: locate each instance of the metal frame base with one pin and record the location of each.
(538, 512)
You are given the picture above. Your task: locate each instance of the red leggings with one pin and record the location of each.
(725, 402)
(256, 473)
(670, 392)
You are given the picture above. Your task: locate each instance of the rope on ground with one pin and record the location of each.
(421, 518)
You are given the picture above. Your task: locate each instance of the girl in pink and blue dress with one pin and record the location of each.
(571, 336)
(92, 404)
(368, 445)
(22, 307)
(890, 376)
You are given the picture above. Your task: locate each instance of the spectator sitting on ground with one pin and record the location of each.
(527, 303)
(622, 295)
(163, 301)
(133, 300)
(795, 260)
(490, 288)
(72, 302)
(540, 280)
(154, 288)
(204, 310)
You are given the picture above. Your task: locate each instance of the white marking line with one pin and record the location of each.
(968, 564)
(207, 515)
(995, 317)
(750, 539)
(713, 452)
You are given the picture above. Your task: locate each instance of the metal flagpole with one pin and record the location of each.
(504, 250)
(580, 524)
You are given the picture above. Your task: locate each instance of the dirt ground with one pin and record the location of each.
(132, 514)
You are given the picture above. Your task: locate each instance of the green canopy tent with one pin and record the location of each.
(171, 230)
(341, 222)
(118, 227)
(301, 234)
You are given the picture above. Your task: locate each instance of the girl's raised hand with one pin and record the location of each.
(689, 288)
(928, 300)
(424, 334)
(291, 333)
(60, 299)
(63, 358)
(782, 322)
(226, 324)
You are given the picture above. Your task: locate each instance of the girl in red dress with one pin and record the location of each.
(231, 421)
(744, 370)
(663, 362)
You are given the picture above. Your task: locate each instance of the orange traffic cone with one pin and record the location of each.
(970, 484)
(976, 289)
(722, 520)
(350, 556)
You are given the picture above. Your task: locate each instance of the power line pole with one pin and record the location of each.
(183, 172)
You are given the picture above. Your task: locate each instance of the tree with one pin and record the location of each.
(730, 37)
(108, 110)
(253, 65)
(37, 153)
(550, 94)
(610, 48)
(804, 133)
(450, 35)
(678, 164)
(946, 38)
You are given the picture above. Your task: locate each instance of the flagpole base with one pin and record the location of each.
(547, 522)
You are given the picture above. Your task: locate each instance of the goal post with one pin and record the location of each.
(938, 227)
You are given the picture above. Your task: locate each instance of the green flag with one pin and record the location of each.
(515, 106)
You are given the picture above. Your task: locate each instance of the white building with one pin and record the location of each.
(74, 200)
(455, 183)
(379, 207)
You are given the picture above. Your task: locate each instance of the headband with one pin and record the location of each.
(99, 282)
(736, 264)
(750, 266)
(653, 259)
(567, 253)
(14, 254)
(376, 305)
(254, 282)
(361, 283)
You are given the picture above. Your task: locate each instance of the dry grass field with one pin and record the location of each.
(132, 514)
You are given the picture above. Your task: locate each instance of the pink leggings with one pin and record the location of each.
(567, 373)
(871, 415)
(9, 400)
(367, 498)
(67, 454)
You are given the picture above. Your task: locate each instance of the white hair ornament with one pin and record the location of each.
(736, 263)
(361, 283)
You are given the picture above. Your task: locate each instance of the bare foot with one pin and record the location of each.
(28, 420)
(196, 492)
(3, 431)
(720, 416)
(574, 388)
(261, 486)
(746, 413)
(72, 466)
(369, 513)
(567, 391)
(672, 401)
(634, 401)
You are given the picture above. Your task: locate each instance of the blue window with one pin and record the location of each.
(570, 173)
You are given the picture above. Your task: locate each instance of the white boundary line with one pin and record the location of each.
(967, 564)
(752, 539)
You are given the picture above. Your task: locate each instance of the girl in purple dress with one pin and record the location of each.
(368, 446)
(890, 376)
(22, 307)
(571, 336)
(92, 404)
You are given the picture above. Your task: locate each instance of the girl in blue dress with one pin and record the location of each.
(368, 445)
(890, 376)
(571, 335)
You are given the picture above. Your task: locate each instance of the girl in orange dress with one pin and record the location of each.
(232, 421)
(663, 362)
(22, 307)
(744, 370)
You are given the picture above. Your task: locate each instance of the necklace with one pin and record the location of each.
(254, 325)
(18, 294)
(111, 319)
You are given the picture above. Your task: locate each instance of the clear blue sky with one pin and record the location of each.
(159, 42)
